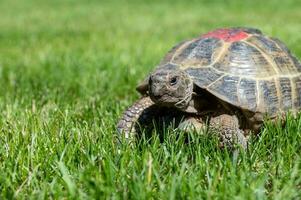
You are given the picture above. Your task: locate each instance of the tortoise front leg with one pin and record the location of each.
(139, 111)
(145, 116)
(227, 128)
(192, 123)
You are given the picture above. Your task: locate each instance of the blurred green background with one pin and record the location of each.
(69, 68)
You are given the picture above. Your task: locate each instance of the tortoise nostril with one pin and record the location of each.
(157, 96)
(156, 91)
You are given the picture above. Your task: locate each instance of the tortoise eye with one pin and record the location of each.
(173, 80)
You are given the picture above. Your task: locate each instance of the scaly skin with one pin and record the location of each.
(227, 127)
(144, 112)
(224, 125)
(139, 111)
(145, 116)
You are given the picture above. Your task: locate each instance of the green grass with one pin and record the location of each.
(69, 68)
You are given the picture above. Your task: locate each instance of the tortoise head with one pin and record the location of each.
(170, 88)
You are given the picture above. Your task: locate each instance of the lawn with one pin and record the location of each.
(69, 68)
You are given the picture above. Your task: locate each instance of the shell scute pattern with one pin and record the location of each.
(226, 88)
(297, 92)
(247, 93)
(204, 76)
(286, 93)
(296, 64)
(268, 91)
(265, 44)
(250, 30)
(199, 53)
(280, 56)
(242, 59)
(243, 67)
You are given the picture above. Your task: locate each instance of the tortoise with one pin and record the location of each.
(230, 79)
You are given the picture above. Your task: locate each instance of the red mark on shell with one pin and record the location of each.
(228, 35)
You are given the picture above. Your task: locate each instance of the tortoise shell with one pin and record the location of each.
(243, 67)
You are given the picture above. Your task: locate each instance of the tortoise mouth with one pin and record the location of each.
(184, 103)
(162, 99)
(165, 100)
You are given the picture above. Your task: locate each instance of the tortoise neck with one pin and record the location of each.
(204, 101)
